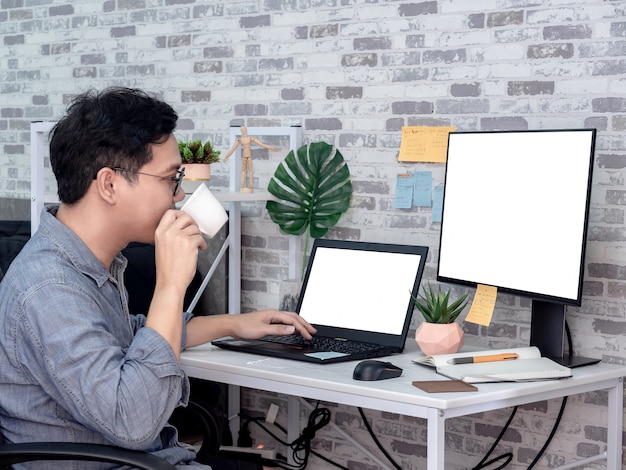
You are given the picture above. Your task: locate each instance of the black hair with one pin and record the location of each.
(112, 128)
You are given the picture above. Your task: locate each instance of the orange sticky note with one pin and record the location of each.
(424, 144)
(484, 301)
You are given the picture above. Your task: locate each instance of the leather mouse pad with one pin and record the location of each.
(439, 386)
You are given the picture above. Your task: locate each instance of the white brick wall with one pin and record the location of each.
(352, 72)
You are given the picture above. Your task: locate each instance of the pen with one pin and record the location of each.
(492, 358)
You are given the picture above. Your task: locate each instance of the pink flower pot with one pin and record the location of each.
(439, 338)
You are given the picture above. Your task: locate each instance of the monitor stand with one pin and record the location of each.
(547, 332)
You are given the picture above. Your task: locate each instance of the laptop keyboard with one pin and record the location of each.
(324, 344)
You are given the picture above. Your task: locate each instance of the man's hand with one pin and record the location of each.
(204, 329)
(177, 241)
(270, 322)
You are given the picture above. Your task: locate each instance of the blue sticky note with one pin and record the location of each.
(422, 188)
(438, 204)
(404, 191)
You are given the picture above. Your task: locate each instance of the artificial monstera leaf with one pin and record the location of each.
(312, 188)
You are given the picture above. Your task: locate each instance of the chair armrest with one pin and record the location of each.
(31, 451)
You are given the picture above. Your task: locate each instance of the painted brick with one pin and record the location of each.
(209, 66)
(366, 44)
(555, 33)
(608, 67)
(333, 93)
(414, 9)
(5, 4)
(593, 289)
(415, 40)
(276, 64)
(61, 10)
(254, 21)
(289, 94)
(530, 88)
(618, 29)
(446, 57)
(123, 31)
(465, 89)
(11, 112)
(13, 40)
(461, 106)
(183, 40)
(358, 60)
(412, 107)
(505, 18)
(13, 149)
(323, 124)
(504, 123)
(141, 70)
(545, 51)
(217, 52)
(394, 59)
(195, 96)
(92, 59)
(323, 31)
(85, 72)
(251, 109)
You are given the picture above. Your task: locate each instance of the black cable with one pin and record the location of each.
(508, 455)
(547, 443)
(301, 447)
(376, 441)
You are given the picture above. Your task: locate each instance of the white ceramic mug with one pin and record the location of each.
(205, 210)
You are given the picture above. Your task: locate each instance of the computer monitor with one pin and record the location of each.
(515, 216)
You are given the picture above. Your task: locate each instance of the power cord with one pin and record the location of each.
(301, 447)
(376, 441)
(508, 455)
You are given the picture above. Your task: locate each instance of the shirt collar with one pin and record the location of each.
(73, 247)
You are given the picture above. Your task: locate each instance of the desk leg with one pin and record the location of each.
(234, 407)
(436, 440)
(293, 423)
(614, 430)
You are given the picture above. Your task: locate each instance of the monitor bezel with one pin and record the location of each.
(584, 233)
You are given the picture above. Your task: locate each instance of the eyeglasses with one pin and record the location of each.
(178, 179)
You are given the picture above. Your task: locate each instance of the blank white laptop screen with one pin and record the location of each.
(359, 289)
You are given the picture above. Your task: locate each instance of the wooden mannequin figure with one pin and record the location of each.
(246, 155)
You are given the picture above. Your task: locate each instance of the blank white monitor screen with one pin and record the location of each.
(515, 211)
(360, 289)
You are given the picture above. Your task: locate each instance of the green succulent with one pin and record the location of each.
(435, 307)
(196, 152)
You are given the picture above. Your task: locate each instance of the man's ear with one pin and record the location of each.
(107, 183)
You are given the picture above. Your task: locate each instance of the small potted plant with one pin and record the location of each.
(197, 158)
(439, 333)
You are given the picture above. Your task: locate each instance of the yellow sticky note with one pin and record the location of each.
(484, 301)
(424, 144)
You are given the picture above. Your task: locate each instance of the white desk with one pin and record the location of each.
(334, 383)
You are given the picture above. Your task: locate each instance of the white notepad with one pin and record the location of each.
(530, 366)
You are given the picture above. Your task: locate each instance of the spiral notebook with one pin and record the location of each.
(355, 294)
(530, 366)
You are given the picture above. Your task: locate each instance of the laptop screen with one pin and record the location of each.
(361, 286)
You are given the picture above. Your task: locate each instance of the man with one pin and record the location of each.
(75, 365)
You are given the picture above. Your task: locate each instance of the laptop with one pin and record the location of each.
(357, 295)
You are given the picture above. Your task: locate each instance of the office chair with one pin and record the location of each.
(31, 451)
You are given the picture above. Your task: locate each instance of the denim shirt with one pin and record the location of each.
(75, 366)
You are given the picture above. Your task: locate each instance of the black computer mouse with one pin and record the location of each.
(372, 369)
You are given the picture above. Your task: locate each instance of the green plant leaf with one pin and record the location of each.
(312, 188)
(434, 306)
